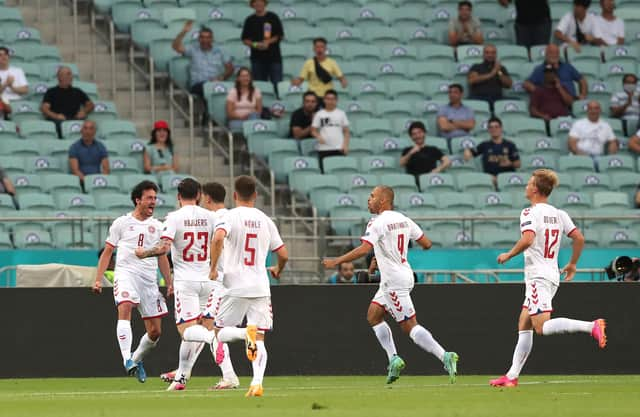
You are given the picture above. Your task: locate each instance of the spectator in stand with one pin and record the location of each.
(625, 104)
(577, 27)
(208, 62)
(465, 29)
(158, 153)
(609, 28)
(64, 101)
(488, 78)
(344, 275)
(589, 136)
(262, 32)
(637, 199)
(87, 155)
(551, 99)
(455, 119)
(421, 158)
(300, 124)
(634, 143)
(330, 127)
(6, 187)
(13, 83)
(498, 154)
(565, 72)
(533, 22)
(244, 101)
(320, 70)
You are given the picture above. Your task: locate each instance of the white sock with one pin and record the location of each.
(385, 337)
(197, 333)
(521, 353)
(259, 364)
(194, 355)
(423, 338)
(564, 325)
(226, 366)
(145, 345)
(231, 334)
(124, 334)
(186, 361)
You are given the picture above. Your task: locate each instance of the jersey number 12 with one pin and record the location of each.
(550, 240)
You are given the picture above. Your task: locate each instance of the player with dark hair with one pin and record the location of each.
(135, 281)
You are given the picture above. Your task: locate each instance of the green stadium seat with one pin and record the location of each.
(372, 15)
(26, 238)
(340, 165)
(38, 129)
(430, 69)
(74, 202)
(624, 181)
(620, 238)
(353, 182)
(103, 110)
(216, 94)
(166, 202)
(379, 165)
(459, 144)
(292, 166)
(536, 161)
(405, 17)
(541, 145)
(60, 183)
(458, 164)
(390, 145)
(343, 35)
(309, 147)
(26, 183)
(471, 54)
(169, 182)
(587, 55)
(37, 89)
(436, 183)
(407, 54)
(359, 148)
(601, 91)
(179, 71)
(57, 148)
(128, 147)
(615, 70)
(373, 127)
(399, 182)
(576, 164)
(97, 184)
(344, 217)
(67, 238)
(358, 107)
(124, 164)
(408, 200)
(474, 182)
(129, 180)
(394, 108)
(615, 200)
(36, 201)
(117, 129)
(524, 126)
(23, 36)
(44, 164)
(438, 18)
(71, 129)
(19, 147)
(384, 36)
(6, 203)
(571, 200)
(113, 202)
(8, 130)
(620, 53)
(13, 164)
(25, 110)
(260, 129)
(406, 91)
(591, 182)
(438, 89)
(306, 183)
(494, 200)
(616, 163)
(419, 34)
(324, 202)
(10, 18)
(146, 27)
(42, 55)
(560, 126)
(327, 16)
(369, 90)
(508, 181)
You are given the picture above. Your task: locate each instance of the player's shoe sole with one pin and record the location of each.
(599, 332)
(396, 365)
(131, 367)
(168, 377)
(504, 381)
(451, 365)
(178, 385)
(255, 391)
(225, 384)
(250, 342)
(141, 374)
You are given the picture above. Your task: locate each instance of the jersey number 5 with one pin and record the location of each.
(550, 235)
(191, 237)
(249, 250)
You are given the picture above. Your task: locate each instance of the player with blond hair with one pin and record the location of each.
(542, 227)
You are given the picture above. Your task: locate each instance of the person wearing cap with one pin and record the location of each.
(567, 74)
(158, 153)
(421, 158)
(64, 101)
(550, 100)
(262, 32)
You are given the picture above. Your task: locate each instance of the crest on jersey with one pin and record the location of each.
(125, 294)
(592, 180)
(359, 180)
(152, 229)
(526, 211)
(398, 51)
(416, 200)
(32, 238)
(390, 144)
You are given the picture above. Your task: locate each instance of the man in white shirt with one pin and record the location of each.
(388, 234)
(13, 83)
(589, 136)
(625, 104)
(542, 227)
(609, 29)
(135, 280)
(330, 127)
(248, 235)
(567, 29)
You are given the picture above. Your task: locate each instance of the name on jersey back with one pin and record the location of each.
(196, 223)
(395, 226)
(252, 224)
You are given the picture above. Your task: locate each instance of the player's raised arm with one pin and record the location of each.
(161, 248)
(577, 246)
(352, 255)
(217, 244)
(521, 245)
(103, 263)
(165, 270)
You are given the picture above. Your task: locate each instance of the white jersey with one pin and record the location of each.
(127, 234)
(190, 229)
(250, 235)
(549, 224)
(389, 234)
(217, 216)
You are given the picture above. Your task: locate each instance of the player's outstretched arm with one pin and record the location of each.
(217, 244)
(158, 250)
(103, 262)
(577, 246)
(283, 257)
(521, 245)
(424, 242)
(356, 253)
(165, 270)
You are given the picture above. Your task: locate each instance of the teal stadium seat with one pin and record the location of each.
(474, 182)
(36, 201)
(8, 130)
(571, 200)
(58, 148)
(589, 182)
(307, 183)
(575, 164)
(75, 202)
(97, 184)
(616, 163)
(455, 201)
(22, 36)
(399, 182)
(394, 108)
(26, 183)
(373, 127)
(44, 164)
(6, 204)
(170, 182)
(10, 18)
(359, 148)
(66, 238)
(13, 164)
(384, 36)
(515, 181)
(379, 165)
(437, 183)
(498, 201)
(60, 183)
(620, 238)
(340, 165)
(369, 90)
(123, 164)
(412, 201)
(117, 129)
(25, 110)
(613, 200)
(537, 161)
(113, 202)
(294, 166)
(38, 130)
(26, 238)
(19, 147)
(350, 182)
(624, 181)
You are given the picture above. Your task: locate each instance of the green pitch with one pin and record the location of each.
(354, 396)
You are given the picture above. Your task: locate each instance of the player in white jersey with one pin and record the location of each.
(213, 196)
(247, 235)
(135, 283)
(388, 234)
(542, 227)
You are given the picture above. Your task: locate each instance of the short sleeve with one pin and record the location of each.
(415, 232)
(609, 133)
(169, 228)
(73, 151)
(476, 25)
(276, 241)
(114, 234)
(575, 74)
(470, 113)
(514, 155)
(567, 224)
(537, 76)
(83, 96)
(103, 150)
(564, 24)
(504, 70)
(442, 111)
(575, 130)
(277, 29)
(246, 30)
(305, 71)
(19, 79)
(437, 153)
(337, 72)
(527, 220)
(406, 150)
(371, 233)
(316, 120)
(226, 58)
(223, 223)
(48, 96)
(345, 120)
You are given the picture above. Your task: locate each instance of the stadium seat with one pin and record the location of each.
(18, 147)
(407, 200)
(516, 181)
(399, 182)
(26, 183)
(43, 54)
(340, 165)
(260, 129)
(560, 126)
(71, 129)
(576, 164)
(305, 183)
(471, 54)
(38, 130)
(36, 201)
(165, 203)
(368, 90)
(459, 144)
(390, 145)
(615, 200)
(536, 161)
(494, 200)
(541, 145)
(624, 181)
(68, 238)
(117, 129)
(379, 165)
(384, 36)
(325, 202)
(358, 108)
(454, 201)
(26, 238)
(616, 163)
(571, 200)
(474, 182)
(458, 164)
(128, 147)
(216, 95)
(438, 89)
(343, 35)
(145, 26)
(8, 130)
(97, 184)
(372, 16)
(620, 238)
(44, 164)
(113, 202)
(10, 18)
(6, 204)
(74, 202)
(589, 182)
(123, 164)
(373, 127)
(418, 34)
(359, 148)
(59, 183)
(436, 183)
(57, 148)
(25, 110)
(293, 166)
(587, 55)
(525, 126)
(103, 110)
(350, 182)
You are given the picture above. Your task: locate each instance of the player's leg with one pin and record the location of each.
(260, 316)
(152, 308)
(126, 297)
(375, 317)
(520, 353)
(220, 352)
